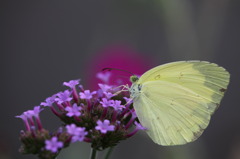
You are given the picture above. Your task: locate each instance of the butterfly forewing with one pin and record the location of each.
(206, 79)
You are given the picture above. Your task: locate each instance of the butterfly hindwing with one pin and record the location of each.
(171, 117)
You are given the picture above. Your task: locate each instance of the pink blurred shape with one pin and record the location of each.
(120, 57)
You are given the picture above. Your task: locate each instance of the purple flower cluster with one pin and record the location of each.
(102, 117)
(28, 118)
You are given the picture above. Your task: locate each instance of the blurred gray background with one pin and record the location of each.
(44, 43)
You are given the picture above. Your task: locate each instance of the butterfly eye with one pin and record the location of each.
(139, 87)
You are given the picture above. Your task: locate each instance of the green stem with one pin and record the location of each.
(109, 152)
(93, 154)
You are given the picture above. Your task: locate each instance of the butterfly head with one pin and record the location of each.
(134, 78)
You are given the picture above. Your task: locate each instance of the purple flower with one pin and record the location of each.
(133, 117)
(104, 76)
(27, 115)
(71, 83)
(109, 94)
(133, 112)
(78, 133)
(99, 93)
(23, 116)
(81, 87)
(81, 135)
(117, 105)
(139, 126)
(36, 110)
(104, 126)
(53, 144)
(87, 94)
(128, 100)
(104, 87)
(49, 101)
(72, 129)
(63, 97)
(106, 103)
(73, 111)
(30, 113)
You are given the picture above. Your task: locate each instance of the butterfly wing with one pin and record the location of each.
(206, 79)
(177, 100)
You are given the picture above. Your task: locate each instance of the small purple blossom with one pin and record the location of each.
(64, 97)
(23, 116)
(30, 113)
(60, 130)
(71, 83)
(104, 87)
(104, 126)
(106, 103)
(133, 117)
(78, 133)
(128, 100)
(109, 94)
(49, 101)
(99, 93)
(87, 94)
(117, 105)
(81, 87)
(133, 112)
(36, 110)
(53, 144)
(139, 126)
(72, 129)
(104, 76)
(73, 111)
(81, 135)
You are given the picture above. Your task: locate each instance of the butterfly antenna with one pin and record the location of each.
(123, 77)
(110, 69)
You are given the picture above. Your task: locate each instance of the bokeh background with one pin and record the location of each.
(44, 43)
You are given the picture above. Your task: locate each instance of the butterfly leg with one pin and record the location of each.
(124, 89)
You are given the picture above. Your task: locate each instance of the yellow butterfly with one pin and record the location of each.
(175, 101)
